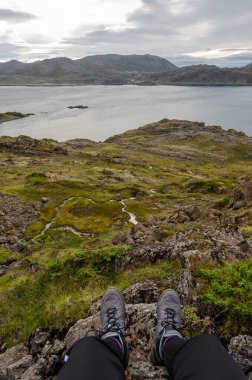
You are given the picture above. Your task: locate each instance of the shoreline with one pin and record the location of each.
(132, 84)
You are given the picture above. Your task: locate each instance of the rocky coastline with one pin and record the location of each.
(9, 116)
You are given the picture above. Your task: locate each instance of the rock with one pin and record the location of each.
(32, 147)
(81, 107)
(227, 244)
(240, 348)
(2, 270)
(38, 340)
(242, 194)
(58, 347)
(186, 284)
(81, 143)
(8, 116)
(146, 371)
(52, 364)
(185, 214)
(11, 356)
(215, 216)
(145, 291)
(36, 371)
(16, 218)
(107, 172)
(140, 330)
(17, 369)
(45, 200)
(3, 346)
(80, 329)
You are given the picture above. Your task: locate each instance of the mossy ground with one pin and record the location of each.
(76, 269)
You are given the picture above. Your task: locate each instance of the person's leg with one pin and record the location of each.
(105, 356)
(94, 359)
(202, 357)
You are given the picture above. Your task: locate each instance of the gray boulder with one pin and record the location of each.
(240, 348)
(17, 369)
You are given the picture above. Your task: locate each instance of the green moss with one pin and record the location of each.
(206, 186)
(246, 231)
(193, 324)
(228, 290)
(222, 203)
(58, 295)
(160, 270)
(88, 217)
(36, 178)
(163, 188)
(4, 254)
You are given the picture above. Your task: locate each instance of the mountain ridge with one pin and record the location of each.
(118, 69)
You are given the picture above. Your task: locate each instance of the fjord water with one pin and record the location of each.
(115, 109)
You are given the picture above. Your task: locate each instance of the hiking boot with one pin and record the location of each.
(113, 319)
(168, 323)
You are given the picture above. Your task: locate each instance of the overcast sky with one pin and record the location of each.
(184, 31)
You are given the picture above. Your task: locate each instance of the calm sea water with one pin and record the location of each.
(115, 109)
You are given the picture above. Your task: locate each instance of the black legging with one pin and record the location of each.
(201, 358)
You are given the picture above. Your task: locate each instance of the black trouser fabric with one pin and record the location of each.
(201, 358)
(93, 359)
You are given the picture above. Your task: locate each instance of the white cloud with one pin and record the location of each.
(15, 17)
(179, 29)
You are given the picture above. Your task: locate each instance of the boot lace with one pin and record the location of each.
(168, 321)
(112, 322)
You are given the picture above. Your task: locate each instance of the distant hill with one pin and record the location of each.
(117, 69)
(248, 67)
(203, 75)
(98, 69)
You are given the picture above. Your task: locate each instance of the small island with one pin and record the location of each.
(8, 116)
(80, 107)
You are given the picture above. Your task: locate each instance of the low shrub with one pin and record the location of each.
(227, 291)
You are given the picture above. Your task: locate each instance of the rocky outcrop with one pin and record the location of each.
(43, 356)
(145, 291)
(31, 147)
(170, 130)
(242, 194)
(15, 217)
(80, 143)
(8, 116)
(185, 214)
(12, 356)
(220, 243)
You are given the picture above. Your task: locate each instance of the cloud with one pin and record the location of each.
(36, 38)
(184, 31)
(9, 51)
(237, 49)
(15, 17)
(174, 27)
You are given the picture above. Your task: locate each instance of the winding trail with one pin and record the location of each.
(74, 231)
(132, 216)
